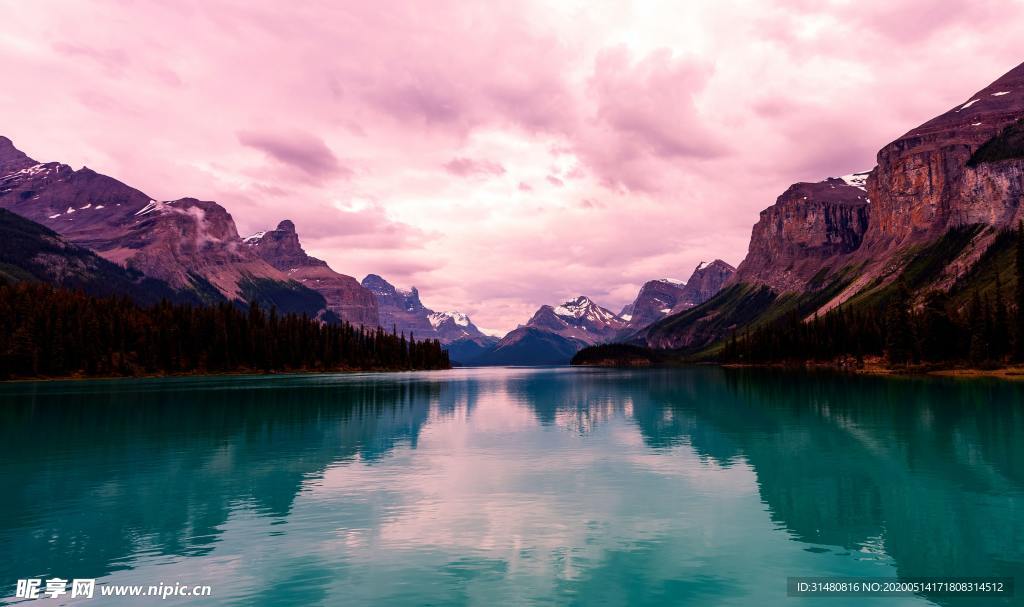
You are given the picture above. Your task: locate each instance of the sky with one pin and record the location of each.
(496, 155)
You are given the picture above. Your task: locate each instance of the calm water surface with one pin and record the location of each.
(510, 486)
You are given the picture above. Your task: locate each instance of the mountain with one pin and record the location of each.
(928, 220)
(400, 310)
(659, 298)
(344, 295)
(404, 312)
(192, 245)
(470, 350)
(579, 319)
(554, 334)
(705, 282)
(29, 251)
(531, 346)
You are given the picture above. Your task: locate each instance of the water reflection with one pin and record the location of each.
(694, 486)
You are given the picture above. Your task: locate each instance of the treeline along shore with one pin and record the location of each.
(50, 332)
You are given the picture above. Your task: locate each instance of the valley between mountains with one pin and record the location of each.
(931, 230)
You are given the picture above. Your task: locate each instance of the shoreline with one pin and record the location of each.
(250, 372)
(876, 368)
(870, 367)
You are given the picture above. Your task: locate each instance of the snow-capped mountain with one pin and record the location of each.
(439, 318)
(554, 333)
(578, 318)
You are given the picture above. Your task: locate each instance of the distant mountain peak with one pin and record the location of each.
(403, 311)
(11, 158)
(660, 298)
(575, 307)
(377, 284)
(578, 318)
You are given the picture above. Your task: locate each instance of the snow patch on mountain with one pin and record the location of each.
(857, 180)
(457, 317)
(152, 206)
(969, 104)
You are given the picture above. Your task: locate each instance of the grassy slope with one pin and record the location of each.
(924, 263)
(999, 259)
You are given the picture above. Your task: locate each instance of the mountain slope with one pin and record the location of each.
(29, 251)
(529, 346)
(344, 295)
(190, 244)
(940, 198)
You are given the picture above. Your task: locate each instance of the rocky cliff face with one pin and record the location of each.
(400, 309)
(655, 300)
(344, 295)
(404, 311)
(190, 244)
(707, 280)
(924, 184)
(810, 226)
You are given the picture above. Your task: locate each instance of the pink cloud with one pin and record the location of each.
(468, 167)
(650, 103)
(302, 151)
(663, 131)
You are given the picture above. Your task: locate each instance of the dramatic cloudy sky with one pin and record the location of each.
(498, 155)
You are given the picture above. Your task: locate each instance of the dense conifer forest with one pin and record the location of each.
(53, 332)
(978, 327)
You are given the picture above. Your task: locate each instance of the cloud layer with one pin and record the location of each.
(496, 155)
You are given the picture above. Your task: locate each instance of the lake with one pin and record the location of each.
(699, 486)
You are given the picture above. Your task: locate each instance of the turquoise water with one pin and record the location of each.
(510, 486)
